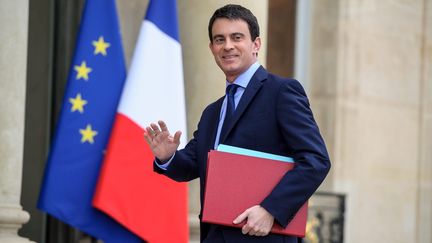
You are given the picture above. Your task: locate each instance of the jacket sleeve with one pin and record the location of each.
(302, 137)
(183, 166)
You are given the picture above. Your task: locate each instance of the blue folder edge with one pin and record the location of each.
(253, 153)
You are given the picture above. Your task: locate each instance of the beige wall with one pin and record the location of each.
(371, 83)
(131, 14)
(423, 229)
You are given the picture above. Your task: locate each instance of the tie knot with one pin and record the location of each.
(231, 89)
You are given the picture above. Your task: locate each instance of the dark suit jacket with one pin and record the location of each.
(272, 116)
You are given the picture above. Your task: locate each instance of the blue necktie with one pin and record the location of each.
(230, 108)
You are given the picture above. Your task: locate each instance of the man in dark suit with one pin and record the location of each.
(261, 112)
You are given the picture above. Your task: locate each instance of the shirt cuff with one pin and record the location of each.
(165, 165)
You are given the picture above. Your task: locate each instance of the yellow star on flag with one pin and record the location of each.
(77, 103)
(88, 134)
(100, 46)
(82, 71)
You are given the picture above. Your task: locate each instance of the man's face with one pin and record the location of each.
(232, 47)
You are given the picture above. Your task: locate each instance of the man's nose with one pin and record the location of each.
(228, 45)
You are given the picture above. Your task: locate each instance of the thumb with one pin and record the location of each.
(241, 217)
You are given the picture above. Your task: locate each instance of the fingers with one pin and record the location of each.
(147, 136)
(163, 126)
(177, 137)
(250, 229)
(155, 129)
(149, 132)
(152, 131)
(247, 228)
(241, 217)
(259, 221)
(254, 230)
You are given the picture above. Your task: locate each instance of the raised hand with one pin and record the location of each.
(161, 142)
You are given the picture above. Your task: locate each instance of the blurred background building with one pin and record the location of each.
(365, 64)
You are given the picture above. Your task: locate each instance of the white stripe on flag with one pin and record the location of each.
(154, 88)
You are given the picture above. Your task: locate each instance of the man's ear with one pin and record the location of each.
(257, 44)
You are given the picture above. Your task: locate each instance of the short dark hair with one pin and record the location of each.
(235, 12)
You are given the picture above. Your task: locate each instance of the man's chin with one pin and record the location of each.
(229, 68)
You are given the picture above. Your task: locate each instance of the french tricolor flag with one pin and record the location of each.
(150, 205)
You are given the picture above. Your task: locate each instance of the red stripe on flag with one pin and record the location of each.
(151, 205)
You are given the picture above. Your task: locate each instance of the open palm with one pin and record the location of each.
(161, 142)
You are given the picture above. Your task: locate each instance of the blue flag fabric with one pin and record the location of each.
(95, 83)
(163, 14)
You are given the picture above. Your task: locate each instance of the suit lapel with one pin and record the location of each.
(251, 90)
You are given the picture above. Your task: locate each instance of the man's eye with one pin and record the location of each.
(218, 40)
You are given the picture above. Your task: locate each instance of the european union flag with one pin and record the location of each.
(94, 87)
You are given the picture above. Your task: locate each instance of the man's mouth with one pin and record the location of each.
(229, 57)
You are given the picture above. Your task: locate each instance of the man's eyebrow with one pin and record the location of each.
(237, 33)
(232, 34)
(218, 36)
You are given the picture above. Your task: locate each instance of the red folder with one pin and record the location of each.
(237, 182)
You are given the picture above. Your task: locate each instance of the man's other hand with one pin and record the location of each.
(259, 221)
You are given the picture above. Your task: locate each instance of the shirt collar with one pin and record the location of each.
(243, 79)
